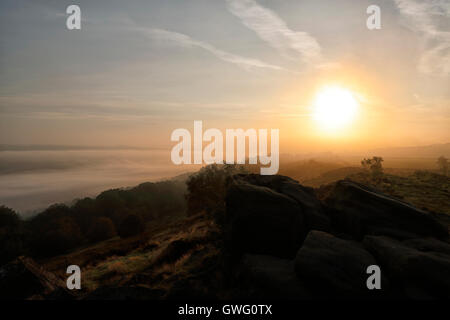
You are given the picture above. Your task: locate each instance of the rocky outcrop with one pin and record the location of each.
(421, 274)
(360, 210)
(312, 209)
(274, 217)
(272, 214)
(272, 277)
(334, 266)
(263, 221)
(429, 245)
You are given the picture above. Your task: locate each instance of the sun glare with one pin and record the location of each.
(334, 108)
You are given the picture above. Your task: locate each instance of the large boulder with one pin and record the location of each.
(313, 211)
(420, 267)
(360, 210)
(429, 245)
(334, 267)
(270, 277)
(263, 221)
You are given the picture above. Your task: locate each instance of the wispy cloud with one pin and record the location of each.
(428, 17)
(60, 107)
(273, 30)
(186, 41)
(107, 107)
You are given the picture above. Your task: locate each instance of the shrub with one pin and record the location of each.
(374, 166)
(132, 225)
(8, 218)
(11, 235)
(102, 229)
(84, 212)
(207, 188)
(59, 236)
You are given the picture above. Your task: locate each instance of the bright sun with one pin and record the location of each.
(334, 108)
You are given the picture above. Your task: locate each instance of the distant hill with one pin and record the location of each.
(307, 169)
(331, 176)
(430, 151)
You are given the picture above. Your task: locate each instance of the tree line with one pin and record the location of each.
(61, 228)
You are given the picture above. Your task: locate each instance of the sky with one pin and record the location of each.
(137, 70)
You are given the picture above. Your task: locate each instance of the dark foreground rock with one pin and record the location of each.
(25, 279)
(360, 210)
(274, 215)
(263, 221)
(271, 277)
(421, 274)
(334, 266)
(429, 245)
(312, 209)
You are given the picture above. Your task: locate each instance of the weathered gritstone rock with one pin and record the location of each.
(422, 274)
(312, 208)
(360, 210)
(272, 277)
(313, 211)
(263, 221)
(333, 266)
(270, 215)
(429, 245)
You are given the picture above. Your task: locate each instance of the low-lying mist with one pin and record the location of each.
(32, 180)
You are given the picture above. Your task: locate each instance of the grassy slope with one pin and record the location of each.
(425, 190)
(146, 259)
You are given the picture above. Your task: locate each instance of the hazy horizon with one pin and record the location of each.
(31, 180)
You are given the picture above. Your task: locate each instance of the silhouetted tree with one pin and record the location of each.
(102, 229)
(8, 218)
(60, 228)
(207, 187)
(54, 232)
(84, 211)
(110, 204)
(374, 166)
(443, 165)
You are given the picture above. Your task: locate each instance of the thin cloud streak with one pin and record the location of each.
(186, 41)
(273, 30)
(58, 107)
